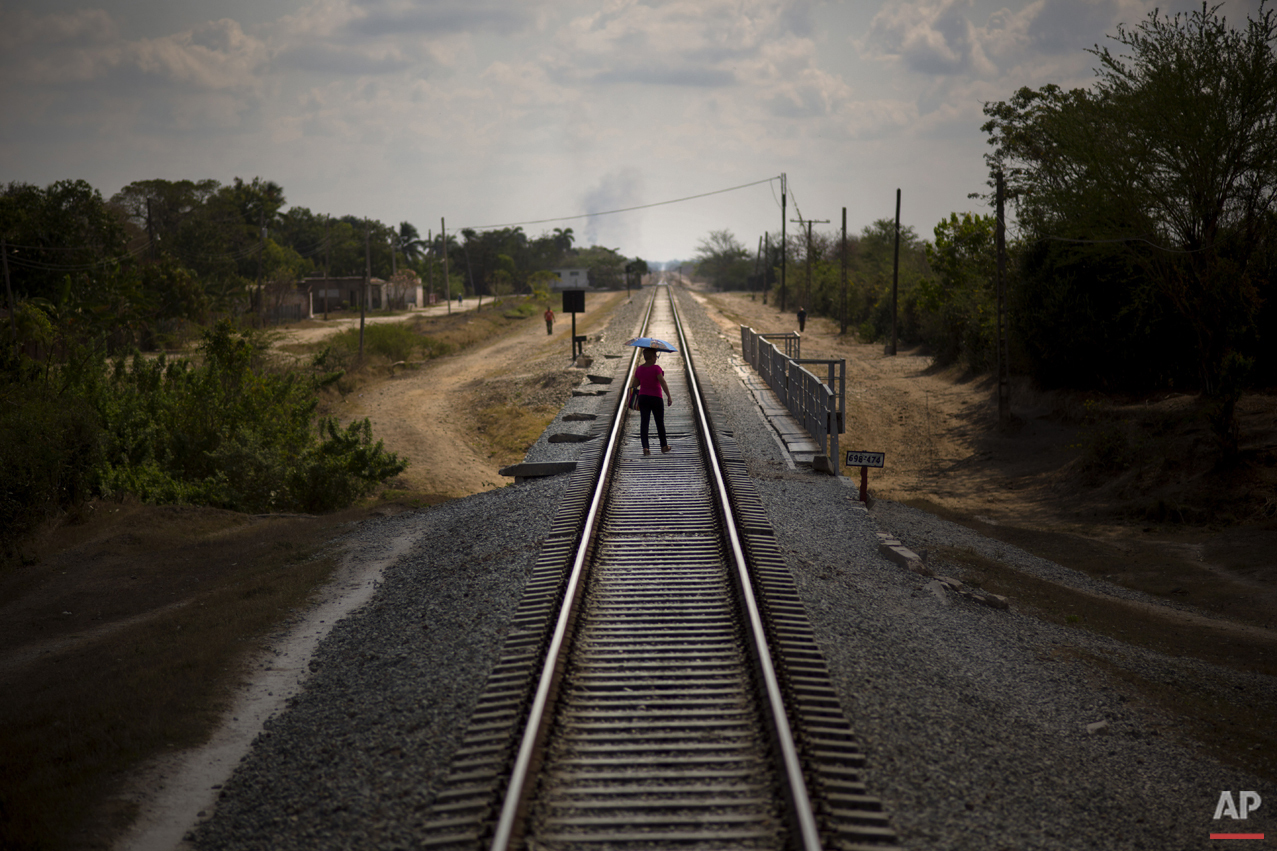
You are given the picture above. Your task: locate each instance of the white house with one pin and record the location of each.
(571, 279)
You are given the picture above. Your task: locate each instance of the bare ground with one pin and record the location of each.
(1037, 484)
(1105, 489)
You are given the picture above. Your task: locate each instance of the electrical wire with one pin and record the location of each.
(1142, 239)
(622, 210)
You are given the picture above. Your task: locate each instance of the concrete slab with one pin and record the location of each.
(536, 469)
(791, 434)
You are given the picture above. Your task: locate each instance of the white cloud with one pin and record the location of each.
(504, 110)
(215, 55)
(928, 36)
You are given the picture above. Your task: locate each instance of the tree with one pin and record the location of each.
(161, 208)
(606, 266)
(959, 302)
(723, 260)
(409, 242)
(63, 240)
(1168, 166)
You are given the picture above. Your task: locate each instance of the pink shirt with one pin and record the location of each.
(649, 379)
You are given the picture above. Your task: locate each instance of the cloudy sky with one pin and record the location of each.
(495, 112)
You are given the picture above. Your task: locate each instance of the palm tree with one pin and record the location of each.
(410, 242)
(563, 239)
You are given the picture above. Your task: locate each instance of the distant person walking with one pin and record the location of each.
(549, 321)
(651, 381)
(802, 319)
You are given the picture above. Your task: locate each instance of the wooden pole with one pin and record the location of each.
(767, 264)
(261, 256)
(783, 240)
(447, 283)
(895, 281)
(1004, 368)
(8, 290)
(758, 264)
(363, 296)
(844, 270)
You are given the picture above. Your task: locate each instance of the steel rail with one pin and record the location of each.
(799, 800)
(539, 715)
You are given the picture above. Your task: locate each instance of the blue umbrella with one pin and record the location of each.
(651, 343)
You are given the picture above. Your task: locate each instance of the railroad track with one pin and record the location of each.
(660, 686)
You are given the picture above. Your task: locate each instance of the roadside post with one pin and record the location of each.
(574, 303)
(865, 460)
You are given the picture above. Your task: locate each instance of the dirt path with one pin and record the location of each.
(427, 415)
(312, 331)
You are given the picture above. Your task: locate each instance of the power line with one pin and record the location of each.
(623, 210)
(1142, 239)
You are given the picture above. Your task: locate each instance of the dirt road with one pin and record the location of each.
(427, 415)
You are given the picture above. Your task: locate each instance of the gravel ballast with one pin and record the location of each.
(981, 727)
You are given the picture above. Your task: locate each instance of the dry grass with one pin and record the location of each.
(513, 412)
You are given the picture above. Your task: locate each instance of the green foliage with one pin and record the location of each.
(227, 432)
(525, 309)
(230, 434)
(1088, 321)
(959, 305)
(343, 467)
(1165, 170)
(540, 283)
(606, 266)
(722, 259)
(394, 341)
(49, 447)
(870, 259)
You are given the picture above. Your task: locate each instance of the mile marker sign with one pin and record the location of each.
(865, 459)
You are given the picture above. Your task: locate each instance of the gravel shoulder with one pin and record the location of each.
(974, 721)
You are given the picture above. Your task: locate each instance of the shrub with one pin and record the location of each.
(231, 434)
(49, 447)
(394, 341)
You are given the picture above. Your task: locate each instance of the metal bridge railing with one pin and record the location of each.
(819, 406)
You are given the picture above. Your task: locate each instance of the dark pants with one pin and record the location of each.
(652, 406)
(549, 326)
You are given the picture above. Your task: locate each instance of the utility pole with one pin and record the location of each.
(8, 289)
(783, 240)
(363, 296)
(844, 271)
(447, 282)
(1004, 366)
(758, 263)
(807, 289)
(328, 272)
(261, 255)
(465, 247)
(150, 230)
(430, 266)
(767, 264)
(895, 279)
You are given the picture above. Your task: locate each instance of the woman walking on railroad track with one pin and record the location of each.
(651, 381)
